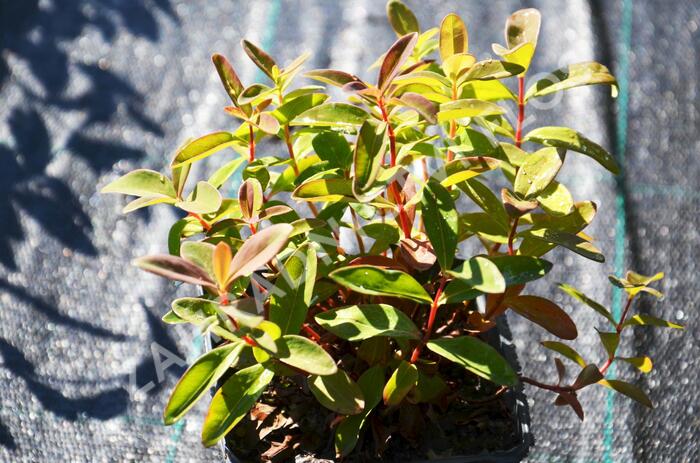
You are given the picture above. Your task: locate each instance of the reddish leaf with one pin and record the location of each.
(261, 59)
(175, 268)
(424, 106)
(545, 313)
(397, 55)
(228, 76)
(259, 249)
(332, 77)
(569, 398)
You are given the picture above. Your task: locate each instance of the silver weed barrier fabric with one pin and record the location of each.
(93, 88)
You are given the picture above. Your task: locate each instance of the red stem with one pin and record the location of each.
(431, 321)
(310, 331)
(521, 111)
(618, 329)
(511, 236)
(199, 218)
(404, 220)
(549, 387)
(251, 143)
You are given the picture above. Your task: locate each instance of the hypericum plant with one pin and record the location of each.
(372, 326)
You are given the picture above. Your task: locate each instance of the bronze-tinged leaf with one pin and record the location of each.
(590, 374)
(332, 77)
(454, 38)
(261, 59)
(250, 198)
(397, 55)
(221, 261)
(424, 106)
(175, 268)
(570, 399)
(228, 76)
(630, 390)
(259, 249)
(545, 313)
(417, 254)
(516, 207)
(401, 18)
(523, 26)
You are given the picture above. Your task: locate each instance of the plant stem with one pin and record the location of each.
(618, 329)
(511, 236)
(431, 321)
(251, 143)
(201, 221)
(549, 387)
(403, 219)
(521, 111)
(356, 227)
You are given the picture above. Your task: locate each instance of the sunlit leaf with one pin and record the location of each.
(568, 240)
(563, 137)
(643, 364)
(198, 379)
(481, 274)
(359, 322)
(578, 295)
(537, 172)
(228, 76)
(367, 279)
(305, 355)
(630, 390)
(648, 320)
(571, 76)
(341, 115)
(401, 18)
(556, 199)
(233, 401)
(477, 357)
(368, 157)
(204, 199)
(333, 148)
(142, 182)
(292, 108)
(204, 146)
(337, 392)
(565, 350)
(440, 218)
(394, 58)
(261, 59)
(454, 38)
(400, 383)
(467, 108)
(175, 268)
(293, 290)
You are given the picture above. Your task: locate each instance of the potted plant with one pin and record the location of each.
(327, 347)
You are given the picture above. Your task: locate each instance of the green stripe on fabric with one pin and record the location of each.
(621, 220)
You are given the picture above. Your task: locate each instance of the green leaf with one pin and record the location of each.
(643, 280)
(523, 26)
(198, 379)
(304, 354)
(590, 374)
(486, 200)
(571, 76)
(340, 115)
(146, 201)
(537, 172)
(394, 58)
(194, 310)
(228, 77)
(338, 393)
(481, 274)
(333, 148)
(383, 234)
(454, 38)
(630, 390)
(544, 313)
(348, 432)
(292, 108)
(565, 350)
(492, 69)
(291, 296)
(578, 295)
(400, 383)
(332, 77)
(200, 254)
(477, 357)
(556, 199)
(261, 59)
(368, 158)
(324, 189)
(142, 182)
(518, 270)
(564, 137)
(568, 240)
(172, 318)
(610, 342)
(643, 364)
(378, 281)
(204, 199)
(233, 401)
(441, 222)
(225, 172)
(648, 320)
(401, 18)
(202, 147)
(467, 108)
(358, 322)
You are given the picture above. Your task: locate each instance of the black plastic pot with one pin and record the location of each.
(515, 399)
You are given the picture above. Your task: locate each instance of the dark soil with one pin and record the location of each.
(288, 422)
